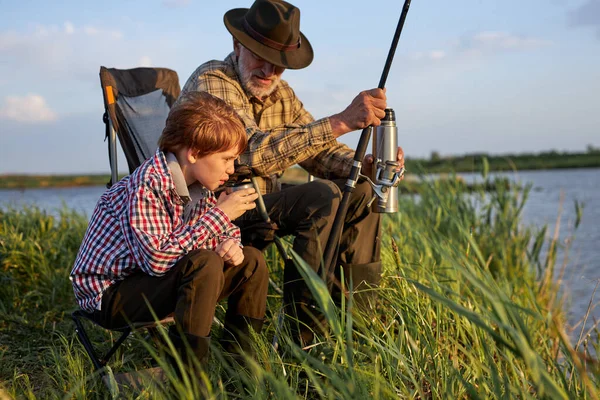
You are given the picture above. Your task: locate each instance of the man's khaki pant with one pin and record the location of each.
(307, 211)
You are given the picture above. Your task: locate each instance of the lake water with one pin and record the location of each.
(551, 201)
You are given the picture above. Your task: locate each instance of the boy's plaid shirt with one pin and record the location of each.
(139, 224)
(281, 133)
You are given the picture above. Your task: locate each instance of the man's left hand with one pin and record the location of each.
(367, 168)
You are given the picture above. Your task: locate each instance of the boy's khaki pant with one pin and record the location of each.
(191, 289)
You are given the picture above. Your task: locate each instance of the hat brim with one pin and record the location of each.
(293, 59)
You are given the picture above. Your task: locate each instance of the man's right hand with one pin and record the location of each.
(366, 109)
(238, 202)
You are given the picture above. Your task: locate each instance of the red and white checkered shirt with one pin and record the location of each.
(139, 224)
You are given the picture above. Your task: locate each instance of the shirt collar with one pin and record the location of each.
(193, 192)
(178, 179)
(160, 163)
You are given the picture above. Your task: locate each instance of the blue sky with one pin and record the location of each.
(471, 76)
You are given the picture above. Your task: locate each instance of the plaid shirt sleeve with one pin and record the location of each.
(231, 230)
(155, 244)
(331, 161)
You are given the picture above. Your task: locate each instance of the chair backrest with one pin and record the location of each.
(137, 102)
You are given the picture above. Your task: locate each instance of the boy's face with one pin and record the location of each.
(214, 169)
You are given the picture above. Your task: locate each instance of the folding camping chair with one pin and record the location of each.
(137, 102)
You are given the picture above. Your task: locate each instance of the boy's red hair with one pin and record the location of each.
(203, 123)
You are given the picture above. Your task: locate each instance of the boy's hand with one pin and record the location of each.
(230, 251)
(238, 202)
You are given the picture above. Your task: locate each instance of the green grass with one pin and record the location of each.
(467, 309)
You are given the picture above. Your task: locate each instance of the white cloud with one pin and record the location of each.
(481, 44)
(503, 40)
(437, 54)
(432, 55)
(69, 28)
(95, 31)
(145, 61)
(31, 109)
(53, 52)
(175, 3)
(587, 14)
(90, 30)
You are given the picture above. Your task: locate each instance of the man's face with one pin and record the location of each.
(259, 77)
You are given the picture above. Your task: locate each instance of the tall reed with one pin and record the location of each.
(466, 309)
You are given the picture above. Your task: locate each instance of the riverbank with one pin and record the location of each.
(506, 162)
(436, 164)
(468, 307)
(46, 181)
(410, 185)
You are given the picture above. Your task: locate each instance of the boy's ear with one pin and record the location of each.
(191, 157)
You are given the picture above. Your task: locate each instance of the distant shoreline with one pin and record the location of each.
(436, 164)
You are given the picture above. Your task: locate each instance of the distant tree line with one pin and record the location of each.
(436, 163)
(504, 162)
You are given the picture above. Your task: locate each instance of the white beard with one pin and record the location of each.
(249, 86)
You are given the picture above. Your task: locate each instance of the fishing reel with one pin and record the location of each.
(386, 174)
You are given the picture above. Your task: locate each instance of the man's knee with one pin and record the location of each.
(363, 189)
(324, 197)
(324, 189)
(359, 207)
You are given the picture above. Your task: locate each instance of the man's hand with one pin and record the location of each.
(230, 251)
(366, 109)
(367, 168)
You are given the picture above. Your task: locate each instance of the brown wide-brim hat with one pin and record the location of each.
(271, 30)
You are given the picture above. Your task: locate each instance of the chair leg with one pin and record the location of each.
(118, 343)
(85, 341)
(98, 362)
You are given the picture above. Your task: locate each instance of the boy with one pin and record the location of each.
(159, 238)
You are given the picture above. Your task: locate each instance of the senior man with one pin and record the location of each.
(281, 133)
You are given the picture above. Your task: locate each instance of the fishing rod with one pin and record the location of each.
(361, 149)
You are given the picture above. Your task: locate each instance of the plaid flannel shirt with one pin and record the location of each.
(281, 133)
(142, 223)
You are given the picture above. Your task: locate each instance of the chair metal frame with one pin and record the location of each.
(131, 83)
(101, 361)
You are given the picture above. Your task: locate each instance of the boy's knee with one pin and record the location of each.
(255, 261)
(206, 264)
